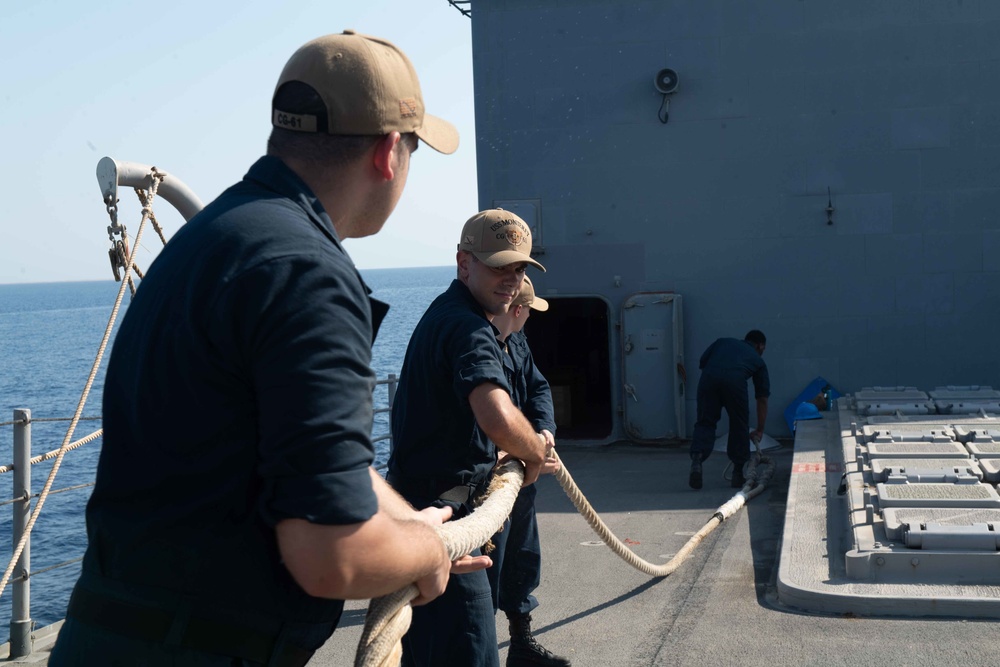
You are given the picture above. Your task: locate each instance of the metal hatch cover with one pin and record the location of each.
(876, 429)
(924, 470)
(893, 401)
(917, 449)
(965, 399)
(652, 366)
(933, 494)
(943, 529)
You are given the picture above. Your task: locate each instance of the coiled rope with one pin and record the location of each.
(388, 617)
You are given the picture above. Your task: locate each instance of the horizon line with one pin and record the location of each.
(101, 280)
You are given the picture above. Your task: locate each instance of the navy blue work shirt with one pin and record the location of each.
(238, 394)
(436, 443)
(735, 360)
(531, 392)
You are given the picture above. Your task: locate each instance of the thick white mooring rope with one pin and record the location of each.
(757, 478)
(389, 616)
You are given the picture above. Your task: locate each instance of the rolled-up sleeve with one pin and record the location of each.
(476, 356)
(307, 338)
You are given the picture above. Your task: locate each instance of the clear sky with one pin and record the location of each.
(186, 86)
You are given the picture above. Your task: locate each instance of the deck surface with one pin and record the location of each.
(721, 606)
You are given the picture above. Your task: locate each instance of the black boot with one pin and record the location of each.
(694, 479)
(524, 650)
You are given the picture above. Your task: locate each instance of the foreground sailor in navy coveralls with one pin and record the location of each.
(726, 366)
(235, 505)
(517, 569)
(452, 405)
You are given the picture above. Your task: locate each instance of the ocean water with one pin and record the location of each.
(49, 337)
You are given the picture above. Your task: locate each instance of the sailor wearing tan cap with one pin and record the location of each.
(517, 562)
(453, 403)
(234, 540)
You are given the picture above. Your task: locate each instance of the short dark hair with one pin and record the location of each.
(755, 337)
(320, 149)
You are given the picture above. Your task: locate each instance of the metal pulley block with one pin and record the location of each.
(118, 255)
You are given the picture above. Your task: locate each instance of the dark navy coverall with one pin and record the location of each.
(439, 457)
(238, 394)
(725, 368)
(517, 563)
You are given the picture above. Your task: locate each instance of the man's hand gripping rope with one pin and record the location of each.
(389, 616)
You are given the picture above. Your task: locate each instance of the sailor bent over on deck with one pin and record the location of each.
(726, 366)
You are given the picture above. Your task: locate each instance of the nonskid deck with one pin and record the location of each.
(724, 606)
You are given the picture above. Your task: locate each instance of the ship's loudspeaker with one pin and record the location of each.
(665, 81)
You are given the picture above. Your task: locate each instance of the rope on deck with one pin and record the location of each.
(757, 478)
(389, 616)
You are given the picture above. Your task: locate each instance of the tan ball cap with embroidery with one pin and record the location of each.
(497, 238)
(366, 85)
(527, 297)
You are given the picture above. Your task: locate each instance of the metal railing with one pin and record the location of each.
(21, 625)
(390, 382)
(20, 612)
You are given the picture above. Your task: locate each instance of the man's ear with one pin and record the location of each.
(382, 160)
(463, 259)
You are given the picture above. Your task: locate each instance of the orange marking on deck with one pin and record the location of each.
(817, 467)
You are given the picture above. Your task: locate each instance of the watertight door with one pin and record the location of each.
(653, 373)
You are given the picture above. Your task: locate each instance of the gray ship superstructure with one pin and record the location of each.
(825, 172)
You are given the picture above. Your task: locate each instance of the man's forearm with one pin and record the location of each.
(389, 500)
(363, 560)
(504, 424)
(761, 413)
(359, 561)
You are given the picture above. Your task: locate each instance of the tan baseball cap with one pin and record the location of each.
(359, 85)
(497, 238)
(526, 297)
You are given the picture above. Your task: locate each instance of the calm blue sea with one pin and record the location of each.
(49, 336)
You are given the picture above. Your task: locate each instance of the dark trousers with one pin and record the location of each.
(518, 571)
(714, 394)
(111, 623)
(81, 644)
(457, 628)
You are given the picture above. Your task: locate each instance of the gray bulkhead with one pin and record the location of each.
(827, 173)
